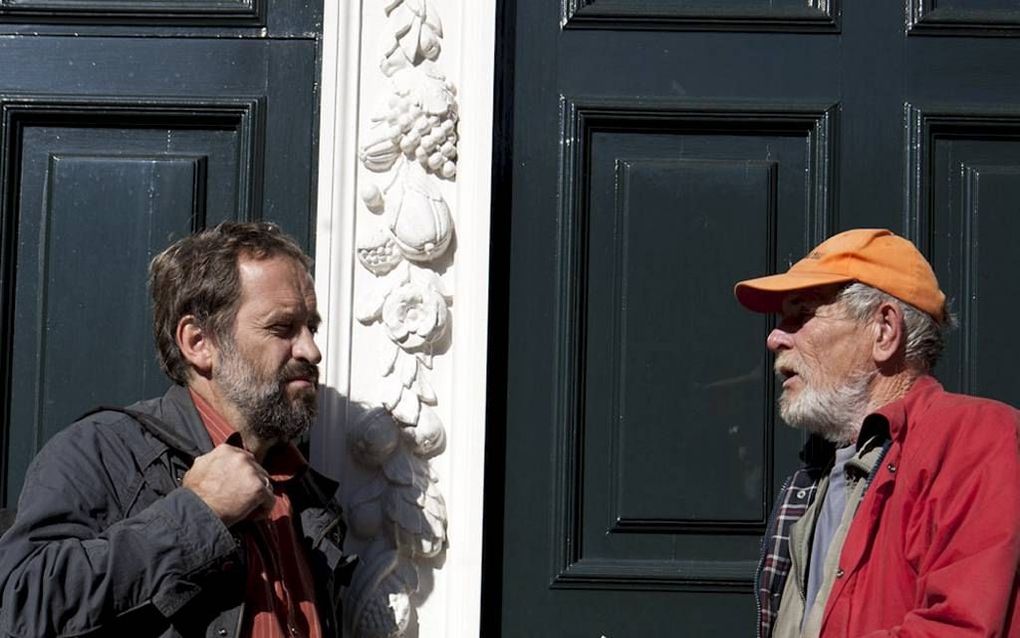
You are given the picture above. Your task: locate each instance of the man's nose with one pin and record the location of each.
(779, 340)
(305, 348)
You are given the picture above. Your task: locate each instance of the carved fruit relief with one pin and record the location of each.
(410, 150)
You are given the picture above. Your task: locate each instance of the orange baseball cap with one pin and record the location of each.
(871, 256)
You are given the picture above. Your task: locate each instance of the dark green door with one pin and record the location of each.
(126, 125)
(654, 153)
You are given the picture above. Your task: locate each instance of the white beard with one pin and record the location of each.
(833, 413)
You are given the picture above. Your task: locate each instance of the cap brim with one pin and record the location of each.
(766, 294)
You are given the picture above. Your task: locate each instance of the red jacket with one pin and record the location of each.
(934, 547)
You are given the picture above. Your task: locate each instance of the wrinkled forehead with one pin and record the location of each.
(275, 279)
(810, 299)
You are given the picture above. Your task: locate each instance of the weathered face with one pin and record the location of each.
(823, 358)
(269, 368)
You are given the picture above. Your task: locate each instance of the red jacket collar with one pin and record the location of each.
(894, 415)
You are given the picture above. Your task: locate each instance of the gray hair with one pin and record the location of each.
(925, 337)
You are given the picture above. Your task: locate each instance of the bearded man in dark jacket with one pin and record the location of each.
(192, 514)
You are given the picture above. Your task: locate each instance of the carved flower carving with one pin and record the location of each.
(414, 315)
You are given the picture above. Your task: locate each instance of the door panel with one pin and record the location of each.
(113, 147)
(631, 515)
(659, 154)
(967, 170)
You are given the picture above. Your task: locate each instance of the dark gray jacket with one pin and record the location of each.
(106, 542)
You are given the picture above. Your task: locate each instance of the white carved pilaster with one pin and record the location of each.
(401, 165)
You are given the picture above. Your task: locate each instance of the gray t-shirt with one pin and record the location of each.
(829, 517)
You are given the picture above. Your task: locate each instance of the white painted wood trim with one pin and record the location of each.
(334, 239)
(448, 603)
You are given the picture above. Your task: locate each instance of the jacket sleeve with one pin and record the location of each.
(72, 564)
(966, 549)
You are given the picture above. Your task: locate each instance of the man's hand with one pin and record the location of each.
(232, 483)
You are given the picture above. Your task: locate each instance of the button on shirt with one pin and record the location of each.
(280, 592)
(828, 521)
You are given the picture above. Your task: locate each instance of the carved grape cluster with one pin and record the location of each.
(428, 138)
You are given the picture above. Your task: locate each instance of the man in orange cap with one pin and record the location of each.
(905, 519)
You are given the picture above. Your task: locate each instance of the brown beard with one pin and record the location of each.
(269, 413)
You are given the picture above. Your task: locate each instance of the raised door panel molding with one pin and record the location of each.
(649, 188)
(101, 173)
(703, 15)
(645, 380)
(964, 181)
(987, 245)
(235, 124)
(245, 13)
(963, 17)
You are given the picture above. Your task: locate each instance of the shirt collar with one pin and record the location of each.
(284, 462)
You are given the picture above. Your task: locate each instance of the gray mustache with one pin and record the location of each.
(301, 370)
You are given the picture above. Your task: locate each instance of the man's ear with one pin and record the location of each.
(889, 332)
(195, 345)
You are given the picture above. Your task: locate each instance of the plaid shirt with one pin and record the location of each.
(794, 499)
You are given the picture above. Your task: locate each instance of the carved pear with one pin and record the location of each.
(421, 222)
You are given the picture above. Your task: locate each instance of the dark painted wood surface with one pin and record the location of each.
(660, 151)
(114, 145)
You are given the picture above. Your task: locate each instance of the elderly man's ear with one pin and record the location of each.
(195, 344)
(888, 333)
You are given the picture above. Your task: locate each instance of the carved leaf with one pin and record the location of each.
(368, 307)
(369, 491)
(436, 98)
(390, 391)
(388, 360)
(402, 19)
(407, 408)
(409, 39)
(425, 391)
(369, 304)
(432, 18)
(435, 506)
(403, 468)
(408, 370)
(430, 279)
(366, 519)
(402, 509)
(422, 530)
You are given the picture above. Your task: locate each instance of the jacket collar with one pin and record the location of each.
(178, 410)
(891, 418)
